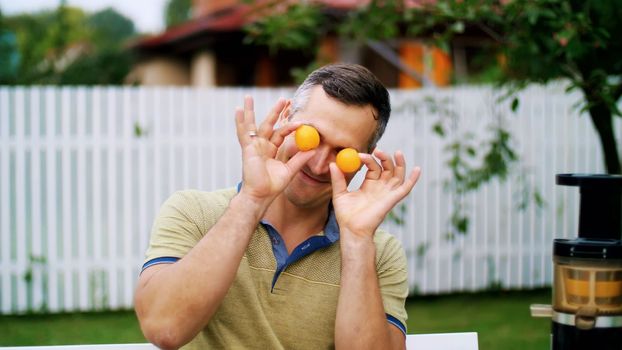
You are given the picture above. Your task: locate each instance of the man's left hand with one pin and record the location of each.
(359, 213)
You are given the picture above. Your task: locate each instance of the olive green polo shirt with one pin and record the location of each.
(277, 301)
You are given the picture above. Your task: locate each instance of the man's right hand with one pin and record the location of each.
(264, 176)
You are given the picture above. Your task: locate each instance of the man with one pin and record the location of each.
(289, 259)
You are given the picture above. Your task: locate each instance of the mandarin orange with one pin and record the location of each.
(348, 160)
(307, 138)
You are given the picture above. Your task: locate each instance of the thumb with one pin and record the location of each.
(338, 180)
(299, 159)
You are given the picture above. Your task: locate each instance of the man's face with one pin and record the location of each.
(340, 126)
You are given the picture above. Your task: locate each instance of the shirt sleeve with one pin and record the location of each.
(183, 220)
(177, 228)
(391, 267)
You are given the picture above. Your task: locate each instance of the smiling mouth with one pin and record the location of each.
(315, 179)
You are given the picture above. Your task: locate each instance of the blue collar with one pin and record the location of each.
(310, 245)
(331, 229)
(314, 243)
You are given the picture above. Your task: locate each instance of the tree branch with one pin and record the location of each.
(496, 36)
(394, 59)
(617, 92)
(573, 72)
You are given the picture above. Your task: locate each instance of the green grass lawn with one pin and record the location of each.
(79, 328)
(501, 319)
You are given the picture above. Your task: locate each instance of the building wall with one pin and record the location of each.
(429, 61)
(160, 71)
(203, 69)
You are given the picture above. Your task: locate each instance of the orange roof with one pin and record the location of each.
(231, 19)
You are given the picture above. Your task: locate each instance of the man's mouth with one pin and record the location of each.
(312, 178)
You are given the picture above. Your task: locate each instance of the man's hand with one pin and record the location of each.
(359, 213)
(264, 177)
(361, 321)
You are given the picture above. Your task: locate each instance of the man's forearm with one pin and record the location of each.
(176, 301)
(361, 322)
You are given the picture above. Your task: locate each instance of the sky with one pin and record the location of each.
(148, 15)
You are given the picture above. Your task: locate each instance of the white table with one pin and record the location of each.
(442, 341)
(439, 341)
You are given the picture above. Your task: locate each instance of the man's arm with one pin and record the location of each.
(174, 302)
(361, 321)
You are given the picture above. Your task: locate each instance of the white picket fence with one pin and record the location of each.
(83, 172)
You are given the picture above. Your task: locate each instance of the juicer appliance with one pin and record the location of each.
(587, 270)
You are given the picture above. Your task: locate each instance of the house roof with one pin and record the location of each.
(231, 19)
(228, 20)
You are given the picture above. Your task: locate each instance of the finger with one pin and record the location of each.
(299, 159)
(338, 180)
(240, 128)
(281, 133)
(249, 113)
(410, 182)
(374, 170)
(267, 126)
(404, 189)
(400, 166)
(245, 122)
(386, 162)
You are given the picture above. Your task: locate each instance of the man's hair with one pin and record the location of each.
(352, 85)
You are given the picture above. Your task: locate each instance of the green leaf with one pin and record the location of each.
(515, 103)
(138, 130)
(460, 223)
(471, 151)
(422, 249)
(438, 129)
(538, 199)
(458, 27)
(28, 275)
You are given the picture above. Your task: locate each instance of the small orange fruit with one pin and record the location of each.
(348, 160)
(307, 138)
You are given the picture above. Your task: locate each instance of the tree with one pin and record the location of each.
(575, 40)
(551, 39)
(9, 56)
(106, 67)
(108, 61)
(541, 41)
(109, 28)
(42, 38)
(177, 11)
(69, 46)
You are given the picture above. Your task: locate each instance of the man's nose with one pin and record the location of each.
(319, 163)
